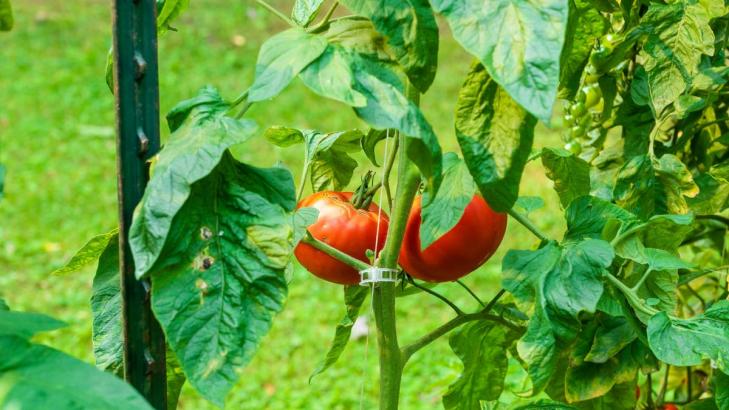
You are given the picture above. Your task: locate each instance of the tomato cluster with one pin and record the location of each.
(353, 231)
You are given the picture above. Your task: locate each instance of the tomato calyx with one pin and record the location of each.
(362, 197)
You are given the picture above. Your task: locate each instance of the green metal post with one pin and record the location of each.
(137, 107)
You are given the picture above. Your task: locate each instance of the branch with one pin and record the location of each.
(334, 252)
(522, 219)
(631, 296)
(388, 169)
(409, 350)
(276, 12)
(463, 285)
(453, 306)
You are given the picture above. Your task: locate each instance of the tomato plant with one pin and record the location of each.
(459, 251)
(633, 292)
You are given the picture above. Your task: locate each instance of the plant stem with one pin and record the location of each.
(437, 295)
(409, 350)
(334, 252)
(642, 279)
(276, 12)
(463, 285)
(522, 219)
(302, 183)
(631, 296)
(388, 170)
(324, 21)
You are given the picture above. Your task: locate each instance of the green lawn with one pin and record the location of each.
(57, 141)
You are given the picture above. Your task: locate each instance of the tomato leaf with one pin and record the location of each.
(613, 334)
(584, 25)
(482, 347)
(620, 397)
(411, 31)
(303, 217)
(354, 297)
(586, 380)
(175, 379)
(106, 302)
(25, 325)
(587, 217)
(169, 12)
(88, 253)
(678, 35)
(721, 389)
(202, 142)
(281, 58)
(6, 15)
(558, 283)
(713, 194)
(441, 213)
(370, 140)
(648, 186)
(519, 42)
(545, 404)
(206, 105)
(386, 105)
(39, 377)
(222, 278)
(495, 136)
(688, 342)
(570, 174)
(661, 231)
(305, 11)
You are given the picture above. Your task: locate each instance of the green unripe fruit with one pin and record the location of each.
(573, 147)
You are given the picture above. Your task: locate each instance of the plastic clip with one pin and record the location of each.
(377, 275)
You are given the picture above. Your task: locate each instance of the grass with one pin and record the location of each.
(57, 141)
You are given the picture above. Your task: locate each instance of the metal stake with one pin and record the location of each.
(137, 108)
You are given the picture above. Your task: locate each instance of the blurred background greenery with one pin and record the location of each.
(57, 141)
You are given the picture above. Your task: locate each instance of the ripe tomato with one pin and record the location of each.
(670, 406)
(461, 250)
(341, 225)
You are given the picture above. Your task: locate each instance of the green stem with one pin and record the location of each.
(276, 13)
(409, 350)
(642, 279)
(470, 292)
(388, 169)
(522, 219)
(326, 18)
(631, 296)
(302, 183)
(334, 252)
(437, 295)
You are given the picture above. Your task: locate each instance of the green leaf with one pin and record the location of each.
(587, 380)
(713, 194)
(721, 389)
(529, 204)
(584, 25)
(519, 42)
(648, 186)
(332, 169)
(358, 34)
(370, 140)
(354, 297)
(545, 404)
(570, 174)
(658, 260)
(611, 337)
(202, 142)
(106, 302)
(495, 136)
(411, 32)
(3, 305)
(305, 11)
(587, 217)
(283, 136)
(620, 397)
(442, 213)
(661, 231)
(678, 35)
(560, 283)
(702, 404)
(281, 58)
(207, 104)
(170, 11)
(688, 342)
(386, 104)
(88, 253)
(24, 324)
(38, 377)
(303, 217)
(6, 15)
(221, 278)
(482, 347)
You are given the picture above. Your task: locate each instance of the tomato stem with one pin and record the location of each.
(437, 295)
(335, 253)
(276, 12)
(522, 219)
(388, 169)
(470, 292)
(324, 21)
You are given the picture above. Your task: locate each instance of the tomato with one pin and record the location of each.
(593, 94)
(670, 406)
(341, 225)
(573, 147)
(461, 250)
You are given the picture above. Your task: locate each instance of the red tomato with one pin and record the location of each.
(670, 406)
(460, 251)
(341, 225)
